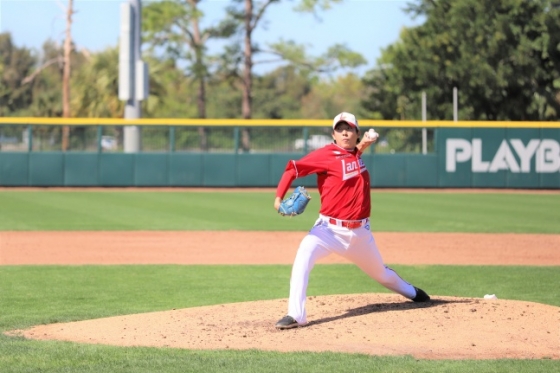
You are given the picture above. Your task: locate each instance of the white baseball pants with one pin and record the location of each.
(357, 245)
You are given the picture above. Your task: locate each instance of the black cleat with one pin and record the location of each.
(421, 295)
(287, 322)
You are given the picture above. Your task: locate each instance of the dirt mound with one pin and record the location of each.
(388, 324)
(375, 324)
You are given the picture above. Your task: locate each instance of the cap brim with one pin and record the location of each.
(345, 121)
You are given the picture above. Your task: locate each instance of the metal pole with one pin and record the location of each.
(455, 105)
(236, 140)
(424, 130)
(99, 136)
(132, 108)
(305, 138)
(29, 138)
(172, 139)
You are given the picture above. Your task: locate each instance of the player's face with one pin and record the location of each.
(345, 136)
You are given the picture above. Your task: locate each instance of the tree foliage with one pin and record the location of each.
(95, 87)
(331, 96)
(46, 82)
(173, 26)
(278, 95)
(240, 58)
(502, 55)
(15, 64)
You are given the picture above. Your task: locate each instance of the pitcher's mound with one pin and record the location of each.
(375, 324)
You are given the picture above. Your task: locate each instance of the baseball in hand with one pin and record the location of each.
(371, 134)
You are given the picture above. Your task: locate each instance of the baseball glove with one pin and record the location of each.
(296, 203)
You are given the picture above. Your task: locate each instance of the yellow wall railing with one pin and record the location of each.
(270, 123)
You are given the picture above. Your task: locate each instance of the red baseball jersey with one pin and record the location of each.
(342, 180)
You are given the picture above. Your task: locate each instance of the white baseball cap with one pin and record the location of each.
(346, 117)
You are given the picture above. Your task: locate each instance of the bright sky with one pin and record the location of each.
(365, 26)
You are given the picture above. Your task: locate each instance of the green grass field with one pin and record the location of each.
(31, 295)
(391, 211)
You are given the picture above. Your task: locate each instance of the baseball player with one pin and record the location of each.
(343, 225)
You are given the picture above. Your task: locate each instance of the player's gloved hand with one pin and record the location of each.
(296, 203)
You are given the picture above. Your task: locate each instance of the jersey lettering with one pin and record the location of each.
(352, 169)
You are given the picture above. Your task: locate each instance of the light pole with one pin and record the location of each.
(133, 72)
(455, 104)
(424, 129)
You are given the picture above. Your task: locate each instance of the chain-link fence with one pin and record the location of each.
(212, 139)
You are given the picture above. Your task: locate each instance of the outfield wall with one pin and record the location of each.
(464, 157)
(498, 157)
(192, 170)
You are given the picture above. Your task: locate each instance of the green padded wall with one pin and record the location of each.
(185, 169)
(81, 169)
(116, 169)
(462, 177)
(253, 170)
(499, 157)
(46, 169)
(550, 179)
(421, 170)
(219, 170)
(151, 169)
(519, 179)
(389, 170)
(14, 169)
(492, 138)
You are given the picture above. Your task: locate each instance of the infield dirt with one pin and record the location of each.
(376, 324)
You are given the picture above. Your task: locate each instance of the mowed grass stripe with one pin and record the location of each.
(47, 294)
(54, 357)
(466, 212)
(225, 210)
